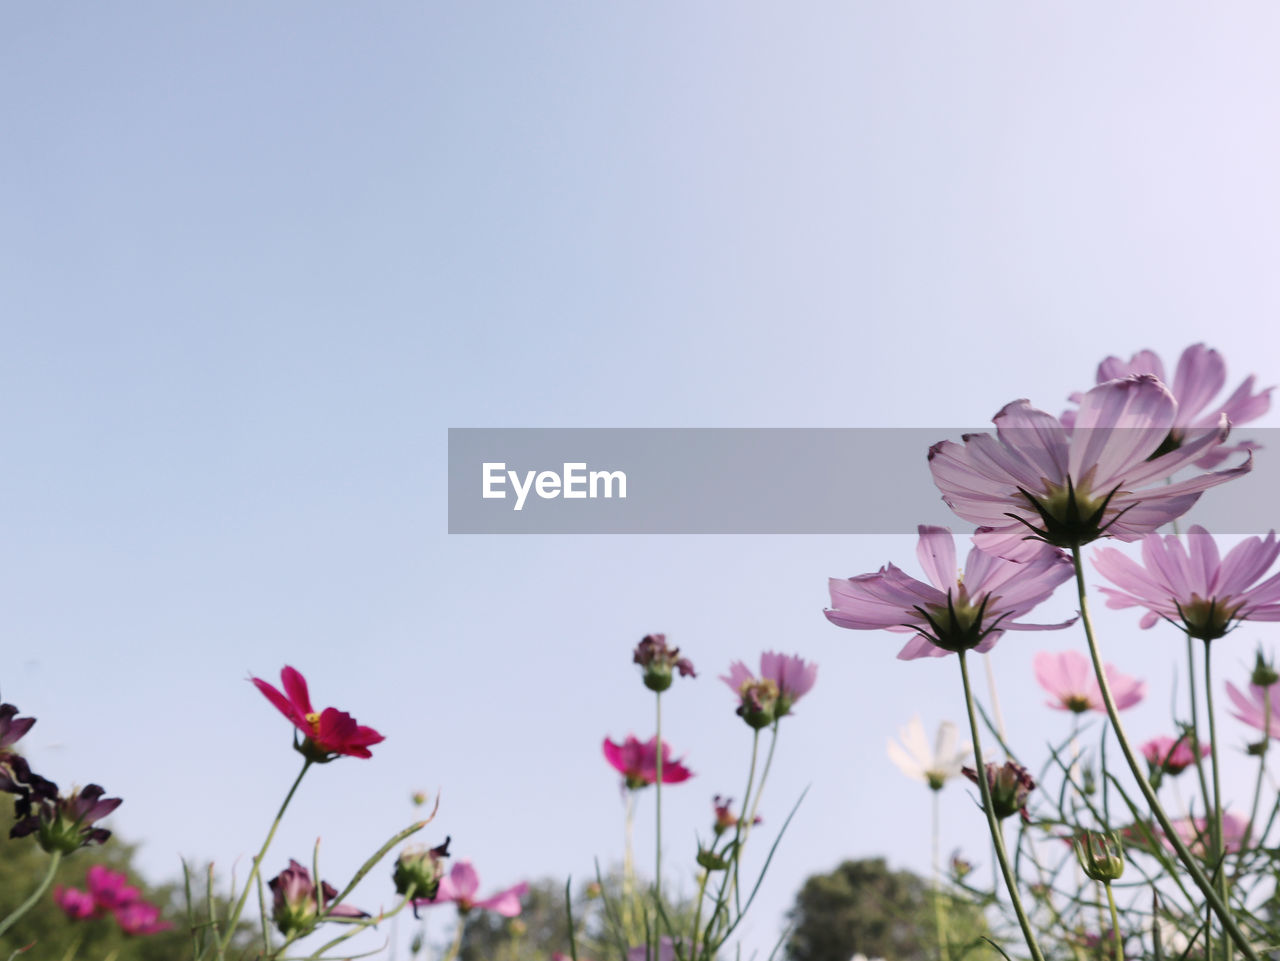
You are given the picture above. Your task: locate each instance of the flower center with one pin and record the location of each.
(1076, 703)
(313, 719)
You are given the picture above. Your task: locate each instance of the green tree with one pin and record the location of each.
(864, 908)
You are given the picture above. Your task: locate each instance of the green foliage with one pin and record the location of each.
(55, 937)
(864, 908)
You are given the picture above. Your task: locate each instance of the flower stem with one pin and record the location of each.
(457, 939)
(1219, 842)
(997, 837)
(1115, 924)
(657, 860)
(54, 859)
(257, 862)
(1184, 855)
(940, 915)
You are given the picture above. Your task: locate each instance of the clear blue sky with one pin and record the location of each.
(256, 259)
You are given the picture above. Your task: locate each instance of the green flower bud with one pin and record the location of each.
(420, 869)
(1101, 855)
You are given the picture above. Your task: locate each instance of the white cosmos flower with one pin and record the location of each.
(934, 767)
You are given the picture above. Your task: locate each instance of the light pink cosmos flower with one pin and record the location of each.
(460, 888)
(955, 611)
(1070, 679)
(664, 950)
(1196, 589)
(1171, 756)
(1038, 479)
(783, 680)
(1194, 832)
(1199, 378)
(637, 762)
(1253, 709)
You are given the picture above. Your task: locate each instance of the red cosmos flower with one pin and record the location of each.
(329, 733)
(637, 762)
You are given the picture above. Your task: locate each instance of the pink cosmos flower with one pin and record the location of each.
(637, 762)
(1171, 756)
(460, 888)
(1070, 679)
(110, 889)
(76, 904)
(1038, 479)
(783, 680)
(1254, 710)
(1194, 832)
(141, 918)
(954, 612)
(1204, 594)
(329, 733)
(1200, 376)
(664, 950)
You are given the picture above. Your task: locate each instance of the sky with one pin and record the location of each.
(258, 259)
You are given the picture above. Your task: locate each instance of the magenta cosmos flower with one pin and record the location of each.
(329, 733)
(954, 611)
(1070, 679)
(1199, 378)
(1039, 479)
(1204, 594)
(637, 762)
(1170, 756)
(783, 680)
(1260, 708)
(460, 888)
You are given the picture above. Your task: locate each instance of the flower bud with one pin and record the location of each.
(420, 869)
(708, 858)
(1009, 783)
(759, 704)
(960, 868)
(1101, 855)
(657, 661)
(1264, 672)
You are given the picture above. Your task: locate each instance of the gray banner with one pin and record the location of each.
(747, 481)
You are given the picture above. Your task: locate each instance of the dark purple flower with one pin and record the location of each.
(656, 662)
(62, 823)
(295, 905)
(12, 727)
(1010, 784)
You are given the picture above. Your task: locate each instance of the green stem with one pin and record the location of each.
(997, 837)
(657, 860)
(940, 916)
(697, 914)
(1257, 788)
(1115, 924)
(54, 859)
(457, 939)
(1219, 842)
(730, 874)
(1184, 855)
(257, 862)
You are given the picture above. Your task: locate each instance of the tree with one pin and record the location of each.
(864, 908)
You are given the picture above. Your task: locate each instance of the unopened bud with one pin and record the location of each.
(1101, 855)
(420, 869)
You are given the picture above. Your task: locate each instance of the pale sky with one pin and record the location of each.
(257, 259)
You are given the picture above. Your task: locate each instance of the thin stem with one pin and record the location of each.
(1257, 786)
(1184, 855)
(1115, 924)
(1219, 842)
(257, 861)
(1195, 720)
(657, 861)
(997, 837)
(940, 915)
(54, 860)
(457, 939)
